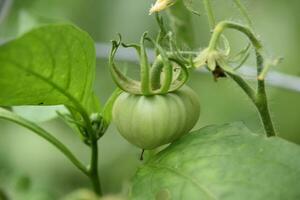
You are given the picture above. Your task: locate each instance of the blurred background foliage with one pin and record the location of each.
(30, 168)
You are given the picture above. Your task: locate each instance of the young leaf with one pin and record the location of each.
(50, 65)
(222, 162)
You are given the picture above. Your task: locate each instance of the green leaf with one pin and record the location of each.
(222, 162)
(50, 65)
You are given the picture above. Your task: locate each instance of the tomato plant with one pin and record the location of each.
(55, 65)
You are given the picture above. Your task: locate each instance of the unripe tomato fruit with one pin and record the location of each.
(151, 121)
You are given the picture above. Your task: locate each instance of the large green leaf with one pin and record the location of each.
(222, 162)
(50, 65)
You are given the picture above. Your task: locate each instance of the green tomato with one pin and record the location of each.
(151, 121)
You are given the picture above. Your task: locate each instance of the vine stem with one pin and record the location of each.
(258, 97)
(259, 100)
(262, 99)
(10, 116)
(93, 170)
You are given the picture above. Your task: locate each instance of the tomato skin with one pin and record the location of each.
(151, 121)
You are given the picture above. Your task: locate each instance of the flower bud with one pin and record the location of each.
(161, 5)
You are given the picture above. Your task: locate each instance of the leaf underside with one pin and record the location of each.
(50, 65)
(222, 162)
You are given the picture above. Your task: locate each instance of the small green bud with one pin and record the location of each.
(98, 124)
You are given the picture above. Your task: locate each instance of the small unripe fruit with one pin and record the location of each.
(151, 121)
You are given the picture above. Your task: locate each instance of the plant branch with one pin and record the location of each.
(10, 116)
(263, 108)
(93, 171)
(260, 101)
(260, 98)
(244, 85)
(222, 26)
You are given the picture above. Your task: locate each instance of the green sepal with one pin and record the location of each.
(182, 78)
(145, 68)
(241, 57)
(123, 82)
(167, 66)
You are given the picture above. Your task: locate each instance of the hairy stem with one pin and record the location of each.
(262, 100)
(222, 26)
(263, 109)
(260, 97)
(244, 85)
(259, 100)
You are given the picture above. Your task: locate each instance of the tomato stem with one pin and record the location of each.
(258, 97)
(93, 171)
(10, 116)
(261, 98)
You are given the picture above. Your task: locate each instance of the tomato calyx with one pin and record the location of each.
(152, 121)
(166, 74)
(219, 61)
(99, 125)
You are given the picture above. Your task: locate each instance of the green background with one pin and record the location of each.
(51, 175)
